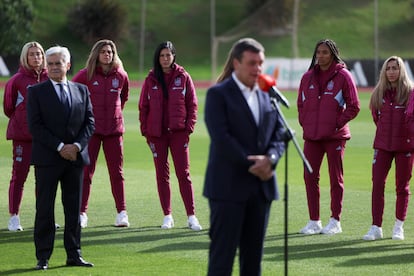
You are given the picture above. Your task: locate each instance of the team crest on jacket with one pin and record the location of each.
(115, 83)
(177, 81)
(330, 85)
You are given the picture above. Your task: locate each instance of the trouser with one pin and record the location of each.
(113, 150)
(237, 225)
(314, 152)
(22, 151)
(47, 178)
(178, 144)
(380, 167)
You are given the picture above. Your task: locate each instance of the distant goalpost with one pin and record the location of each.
(247, 26)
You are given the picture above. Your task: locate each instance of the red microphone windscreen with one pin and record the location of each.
(265, 82)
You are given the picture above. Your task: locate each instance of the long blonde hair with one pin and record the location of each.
(404, 85)
(23, 55)
(93, 58)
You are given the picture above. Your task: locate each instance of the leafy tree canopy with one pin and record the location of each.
(92, 20)
(15, 28)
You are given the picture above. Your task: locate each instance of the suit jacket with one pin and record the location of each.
(50, 126)
(235, 135)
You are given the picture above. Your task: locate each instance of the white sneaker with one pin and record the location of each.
(374, 233)
(122, 219)
(194, 224)
(168, 222)
(14, 223)
(398, 231)
(333, 227)
(313, 227)
(83, 220)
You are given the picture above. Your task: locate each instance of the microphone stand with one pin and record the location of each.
(291, 136)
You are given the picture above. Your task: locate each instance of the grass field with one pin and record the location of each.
(145, 249)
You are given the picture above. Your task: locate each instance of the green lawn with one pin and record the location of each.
(145, 249)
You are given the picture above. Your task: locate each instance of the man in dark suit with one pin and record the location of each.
(246, 142)
(61, 122)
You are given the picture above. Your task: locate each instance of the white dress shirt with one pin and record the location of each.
(251, 97)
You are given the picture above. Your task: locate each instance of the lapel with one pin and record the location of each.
(265, 109)
(74, 96)
(52, 98)
(267, 119)
(262, 104)
(53, 92)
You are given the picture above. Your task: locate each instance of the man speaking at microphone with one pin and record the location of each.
(246, 135)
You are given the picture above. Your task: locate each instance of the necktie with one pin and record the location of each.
(64, 98)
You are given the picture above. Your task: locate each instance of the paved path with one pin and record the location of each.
(198, 84)
(203, 84)
(137, 84)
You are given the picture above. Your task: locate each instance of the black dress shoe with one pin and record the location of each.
(42, 264)
(79, 261)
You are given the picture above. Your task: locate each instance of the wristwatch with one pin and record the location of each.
(272, 158)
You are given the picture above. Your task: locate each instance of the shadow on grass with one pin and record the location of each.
(109, 233)
(31, 270)
(7, 236)
(346, 252)
(105, 235)
(353, 252)
(176, 239)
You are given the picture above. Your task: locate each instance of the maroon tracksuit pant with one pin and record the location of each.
(314, 152)
(22, 152)
(113, 150)
(380, 167)
(177, 143)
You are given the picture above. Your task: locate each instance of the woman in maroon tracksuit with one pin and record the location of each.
(108, 85)
(392, 112)
(168, 113)
(327, 101)
(32, 70)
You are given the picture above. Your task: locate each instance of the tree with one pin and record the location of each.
(278, 13)
(264, 17)
(97, 19)
(15, 28)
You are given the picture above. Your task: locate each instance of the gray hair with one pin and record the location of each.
(63, 51)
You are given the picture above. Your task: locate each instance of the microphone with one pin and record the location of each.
(268, 84)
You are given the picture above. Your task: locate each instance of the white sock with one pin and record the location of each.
(399, 223)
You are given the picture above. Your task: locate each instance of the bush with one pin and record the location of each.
(16, 25)
(92, 20)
